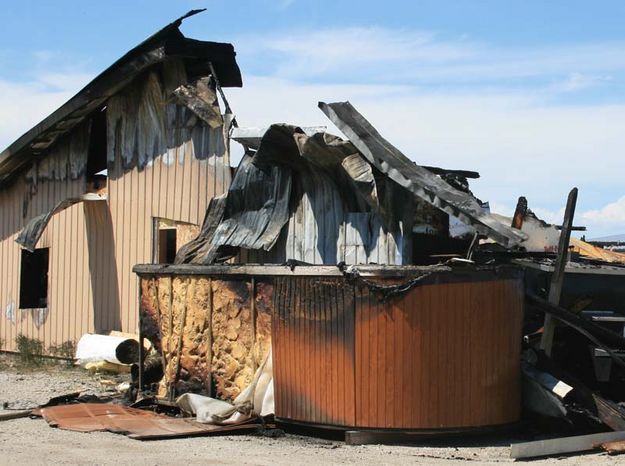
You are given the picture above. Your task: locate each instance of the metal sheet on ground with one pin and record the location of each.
(135, 423)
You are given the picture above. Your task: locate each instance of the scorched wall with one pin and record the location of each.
(163, 162)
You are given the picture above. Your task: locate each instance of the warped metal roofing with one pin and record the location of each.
(418, 180)
(262, 197)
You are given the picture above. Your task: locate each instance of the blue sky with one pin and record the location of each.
(529, 93)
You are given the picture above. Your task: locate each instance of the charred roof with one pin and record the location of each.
(167, 43)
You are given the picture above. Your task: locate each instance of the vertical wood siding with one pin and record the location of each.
(443, 355)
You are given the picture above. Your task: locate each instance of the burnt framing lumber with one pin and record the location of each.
(557, 279)
(599, 332)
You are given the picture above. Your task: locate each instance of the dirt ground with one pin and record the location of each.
(32, 441)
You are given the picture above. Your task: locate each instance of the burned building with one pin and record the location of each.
(120, 174)
(320, 233)
(373, 293)
(335, 259)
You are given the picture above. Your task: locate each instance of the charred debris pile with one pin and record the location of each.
(304, 198)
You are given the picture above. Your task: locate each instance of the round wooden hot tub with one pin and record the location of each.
(441, 355)
(444, 355)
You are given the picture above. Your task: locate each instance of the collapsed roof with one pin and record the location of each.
(340, 178)
(169, 42)
(418, 180)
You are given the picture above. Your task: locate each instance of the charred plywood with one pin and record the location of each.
(211, 333)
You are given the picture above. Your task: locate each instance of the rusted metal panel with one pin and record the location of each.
(135, 423)
(444, 355)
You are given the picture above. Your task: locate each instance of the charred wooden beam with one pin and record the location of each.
(607, 337)
(557, 279)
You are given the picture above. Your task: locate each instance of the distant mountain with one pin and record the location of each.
(610, 238)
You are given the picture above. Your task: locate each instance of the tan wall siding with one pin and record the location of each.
(178, 192)
(62, 235)
(94, 245)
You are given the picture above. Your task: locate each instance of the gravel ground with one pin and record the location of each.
(31, 441)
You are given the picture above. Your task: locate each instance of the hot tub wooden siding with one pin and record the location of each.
(445, 355)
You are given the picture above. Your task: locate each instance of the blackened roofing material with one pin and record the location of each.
(418, 180)
(258, 202)
(257, 207)
(201, 247)
(33, 230)
(166, 43)
(254, 210)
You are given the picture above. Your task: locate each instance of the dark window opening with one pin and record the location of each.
(34, 279)
(166, 246)
(433, 249)
(96, 158)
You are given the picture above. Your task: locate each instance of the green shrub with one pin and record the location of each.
(65, 350)
(30, 349)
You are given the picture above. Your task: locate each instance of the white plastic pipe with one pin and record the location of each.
(118, 350)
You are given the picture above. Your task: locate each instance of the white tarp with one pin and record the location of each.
(256, 400)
